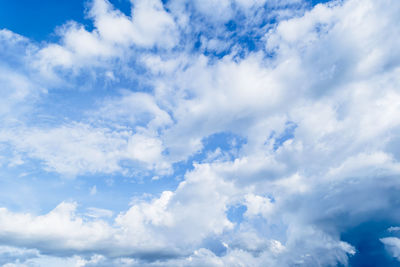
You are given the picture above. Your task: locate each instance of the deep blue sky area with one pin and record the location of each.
(370, 251)
(37, 19)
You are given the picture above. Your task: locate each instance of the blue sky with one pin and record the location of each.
(199, 133)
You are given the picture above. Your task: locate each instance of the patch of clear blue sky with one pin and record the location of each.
(287, 134)
(215, 245)
(235, 213)
(37, 19)
(370, 250)
(29, 188)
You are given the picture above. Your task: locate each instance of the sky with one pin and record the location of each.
(199, 133)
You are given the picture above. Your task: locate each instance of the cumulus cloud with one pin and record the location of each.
(149, 25)
(392, 244)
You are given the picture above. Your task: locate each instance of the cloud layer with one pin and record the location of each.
(277, 121)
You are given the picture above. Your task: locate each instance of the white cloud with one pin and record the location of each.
(19, 88)
(257, 205)
(394, 229)
(11, 256)
(45, 232)
(392, 244)
(160, 226)
(80, 148)
(115, 35)
(149, 25)
(98, 213)
(132, 109)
